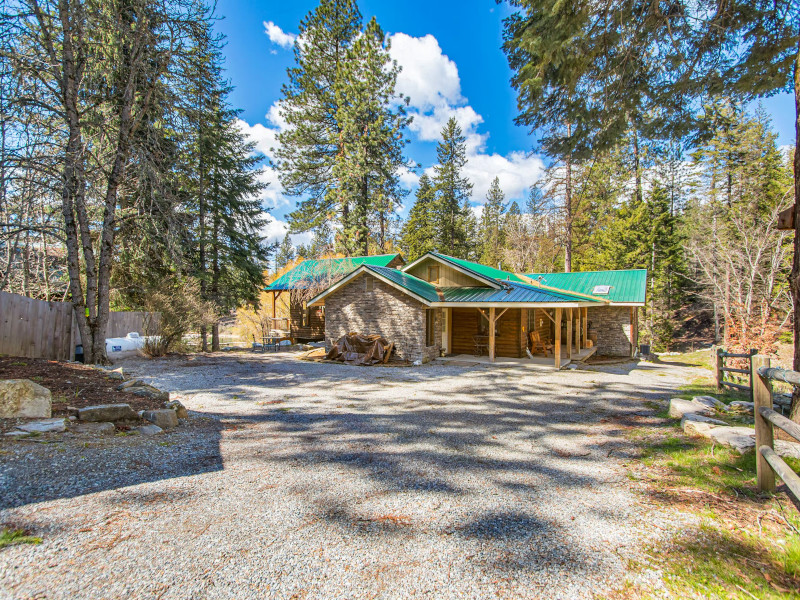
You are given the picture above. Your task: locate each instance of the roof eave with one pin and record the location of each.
(491, 282)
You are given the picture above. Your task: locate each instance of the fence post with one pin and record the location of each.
(718, 369)
(762, 396)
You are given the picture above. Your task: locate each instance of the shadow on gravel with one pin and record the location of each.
(68, 467)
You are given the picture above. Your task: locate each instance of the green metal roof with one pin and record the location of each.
(310, 271)
(417, 286)
(479, 269)
(628, 285)
(513, 292)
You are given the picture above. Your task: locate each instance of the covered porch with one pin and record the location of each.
(527, 334)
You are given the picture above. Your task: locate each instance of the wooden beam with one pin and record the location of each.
(585, 322)
(569, 333)
(497, 318)
(274, 314)
(762, 396)
(547, 314)
(557, 345)
(492, 320)
(786, 219)
(578, 330)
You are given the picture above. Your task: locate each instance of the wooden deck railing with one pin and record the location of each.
(768, 463)
(721, 369)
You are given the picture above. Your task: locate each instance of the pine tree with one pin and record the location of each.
(372, 141)
(455, 223)
(285, 253)
(313, 140)
(418, 235)
(492, 231)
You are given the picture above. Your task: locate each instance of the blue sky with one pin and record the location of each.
(452, 65)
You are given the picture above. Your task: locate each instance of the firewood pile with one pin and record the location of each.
(358, 349)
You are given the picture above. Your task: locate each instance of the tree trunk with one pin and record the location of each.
(794, 278)
(568, 209)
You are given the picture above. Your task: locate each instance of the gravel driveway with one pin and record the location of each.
(306, 480)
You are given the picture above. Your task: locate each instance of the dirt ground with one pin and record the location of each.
(295, 479)
(71, 384)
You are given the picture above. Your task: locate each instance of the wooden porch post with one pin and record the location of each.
(274, 314)
(569, 333)
(557, 344)
(585, 320)
(578, 329)
(491, 333)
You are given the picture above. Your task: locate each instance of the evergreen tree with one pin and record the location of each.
(418, 235)
(492, 230)
(455, 223)
(285, 253)
(372, 141)
(309, 146)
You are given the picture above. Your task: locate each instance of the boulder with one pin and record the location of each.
(17, 434)
(678, 408)
(692, 427)
(148, 429)
(741, 439)
(164, 417)
(742, 406)
(116, 374)
(180, 409)
(22, 398)
(101, 428)
(791, 449)
(58, 425)
(148, 391)
(107, 412)
(694, 424)
(710, 402)
(129, 384)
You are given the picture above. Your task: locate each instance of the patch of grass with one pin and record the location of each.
(13, 537)
(713, 562)
(705, 386)
(746, 545)
(19, 364)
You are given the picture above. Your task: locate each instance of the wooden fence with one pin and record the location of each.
(768, 463)
(38, 329)
(722, 368)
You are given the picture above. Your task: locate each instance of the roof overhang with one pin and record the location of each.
(493, 283)
(318, 299)
(513, 304)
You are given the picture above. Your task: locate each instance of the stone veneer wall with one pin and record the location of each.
(612, 324)
(385, 311)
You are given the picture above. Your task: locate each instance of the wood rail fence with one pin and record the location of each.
(38, 329)
(722, 368)
(768, 463)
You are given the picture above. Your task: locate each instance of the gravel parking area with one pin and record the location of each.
(296, 479)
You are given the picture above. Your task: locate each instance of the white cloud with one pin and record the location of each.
(428, 77)
(431, 81)
(279, 36)
(517, 172)
(275, 231)
(408, 178)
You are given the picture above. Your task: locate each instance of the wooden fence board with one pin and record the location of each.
(37, 329)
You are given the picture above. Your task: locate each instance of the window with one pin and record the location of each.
(369, 283)
(433, 274)
(430, 327)
(599, 290)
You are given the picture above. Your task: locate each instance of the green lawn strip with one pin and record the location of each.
(12, 537)
(726, 556)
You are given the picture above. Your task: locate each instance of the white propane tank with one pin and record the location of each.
(125, 346)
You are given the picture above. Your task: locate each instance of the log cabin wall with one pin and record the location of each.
(509, 341)
(314, 330)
